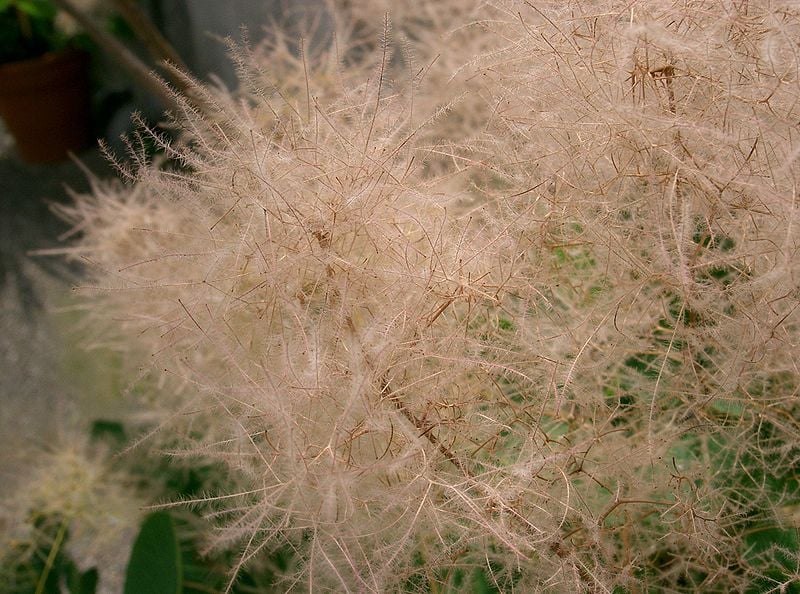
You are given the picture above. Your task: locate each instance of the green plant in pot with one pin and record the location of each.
(44, 82)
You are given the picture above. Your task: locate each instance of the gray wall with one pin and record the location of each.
(197, 27)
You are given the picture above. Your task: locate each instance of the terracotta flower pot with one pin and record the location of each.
(45, 104)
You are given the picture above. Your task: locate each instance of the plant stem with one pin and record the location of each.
(121, 54)
(51, 557)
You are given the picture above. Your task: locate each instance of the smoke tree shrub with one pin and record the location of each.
(661, 182)
(564, 354)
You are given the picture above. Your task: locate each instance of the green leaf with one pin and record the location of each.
(82, 583)
(155, 563)
(505, 324)
(481, 584)
(112, 431)
(38, 9)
